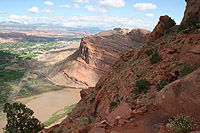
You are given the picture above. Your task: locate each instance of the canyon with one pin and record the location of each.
(117, 103)
(95, 55)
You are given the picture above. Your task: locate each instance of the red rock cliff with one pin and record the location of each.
(193, 6)
(97, 53)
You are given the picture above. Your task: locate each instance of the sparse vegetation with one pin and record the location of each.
(192, 21)
(59, 114)
(20, 119)
(186, 70)
(155, 58)
(84, 121)
(182, 27)
(161, 84)
(113, 104)
(182, 124)
(149, 51)
(141, 85)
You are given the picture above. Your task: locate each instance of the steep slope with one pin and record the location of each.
(193, 6)
(96, 54)
(130, 96)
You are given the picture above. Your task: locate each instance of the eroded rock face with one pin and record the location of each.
(97, 53)
(193, 6)
(182, 96)
(159, 30)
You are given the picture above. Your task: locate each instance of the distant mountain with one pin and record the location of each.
(87, 30)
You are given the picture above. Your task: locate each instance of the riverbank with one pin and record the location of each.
(46, 104)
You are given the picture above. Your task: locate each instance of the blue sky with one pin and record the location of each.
(105, 14)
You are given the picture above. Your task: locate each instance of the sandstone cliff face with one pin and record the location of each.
(97, 53)
(193, 6)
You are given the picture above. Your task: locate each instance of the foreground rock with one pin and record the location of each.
(182, 96)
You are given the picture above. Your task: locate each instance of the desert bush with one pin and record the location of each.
(155, 58)
(181, 27)
(182, 124)
(141, 85)
(149, 52)
(161, 84)
(20, 119)
(186, 69)
(84, 121)
(192, 21)
(113, 104)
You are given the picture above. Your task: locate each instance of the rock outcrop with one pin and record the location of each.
(163, 25)
(193, 6)
(182, 96)
(96, 54)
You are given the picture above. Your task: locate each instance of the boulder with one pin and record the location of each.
(123, 111)
(181, 96)
(97, 130)
(140, 110)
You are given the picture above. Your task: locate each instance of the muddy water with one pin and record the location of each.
(48, 103)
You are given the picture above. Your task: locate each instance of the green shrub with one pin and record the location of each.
(20, 119)
(11, 75)
(149, 52)
(161, 84)
(169, 23)
(155, 58)
(141, 85)
(182, 124)
(5, 91)
(186, 70)
(192, 21)
(84, 121)
(182, 27)
(113, 104)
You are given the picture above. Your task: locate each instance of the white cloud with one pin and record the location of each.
(33, 10)
(47, 11)
(93, 9)
(144, 6)
(112, 3)
(1, 12)
(23, 19)
(82, 1)
(149, 15)
(76, 6)
(64, 6)
(102, 21)
(48, 3)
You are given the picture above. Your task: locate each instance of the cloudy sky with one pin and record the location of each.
(105, 14)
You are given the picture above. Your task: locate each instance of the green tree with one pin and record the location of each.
(20, 119)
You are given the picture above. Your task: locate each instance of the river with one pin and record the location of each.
(47, 103)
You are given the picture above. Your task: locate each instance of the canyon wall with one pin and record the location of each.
(96, 54)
